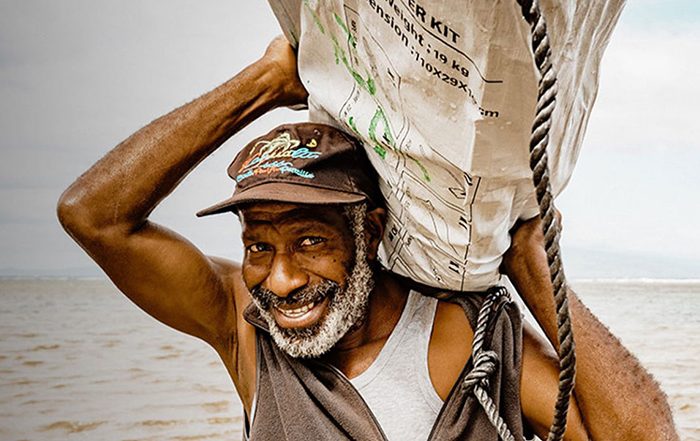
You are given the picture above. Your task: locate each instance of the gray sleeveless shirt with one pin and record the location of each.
(397, 386)
(307, 400)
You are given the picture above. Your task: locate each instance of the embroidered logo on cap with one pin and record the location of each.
(275, 156)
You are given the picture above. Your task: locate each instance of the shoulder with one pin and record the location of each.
(235, 334)
(236, 296)
(236, 346)
(231, 277)
(450, 346)
(451, 321)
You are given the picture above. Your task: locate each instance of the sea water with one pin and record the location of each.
(78, 361)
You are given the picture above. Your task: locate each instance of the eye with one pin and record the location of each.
(258, 247)
(310, 241)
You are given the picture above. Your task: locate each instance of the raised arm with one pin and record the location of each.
(106, 210)
(617, 397)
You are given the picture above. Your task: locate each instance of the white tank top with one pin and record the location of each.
(397, 386)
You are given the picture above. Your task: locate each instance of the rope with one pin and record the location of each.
(485, 363)
(547, 91)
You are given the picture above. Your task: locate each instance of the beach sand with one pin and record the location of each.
(78, 361)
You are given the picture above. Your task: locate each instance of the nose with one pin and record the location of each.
(285, 276)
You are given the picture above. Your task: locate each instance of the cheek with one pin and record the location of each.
(254, 275)
(334, 266)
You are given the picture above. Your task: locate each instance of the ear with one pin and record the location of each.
(374, 231)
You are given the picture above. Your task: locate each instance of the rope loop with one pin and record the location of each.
(485, 364)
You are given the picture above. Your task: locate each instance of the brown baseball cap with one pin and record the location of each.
(305, 163)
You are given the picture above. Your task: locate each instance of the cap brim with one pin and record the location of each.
(283, 192)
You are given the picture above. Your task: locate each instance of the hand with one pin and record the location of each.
(525, 263)
(529, 234)
(284, 65)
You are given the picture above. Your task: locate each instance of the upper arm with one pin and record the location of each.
(539, 388)
(170, 279)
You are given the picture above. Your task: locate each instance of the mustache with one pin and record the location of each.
(307, 294)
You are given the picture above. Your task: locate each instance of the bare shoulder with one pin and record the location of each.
(234, 288)
(236, 346)
(230, 274)
(451, 322)
(450, 346)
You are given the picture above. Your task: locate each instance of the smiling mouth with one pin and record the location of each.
(302, 316)
(297, 312)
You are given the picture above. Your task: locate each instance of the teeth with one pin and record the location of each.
(298, 312)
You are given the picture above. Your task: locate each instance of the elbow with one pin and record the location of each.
(91, 223)
(74, 215)
(71, 213)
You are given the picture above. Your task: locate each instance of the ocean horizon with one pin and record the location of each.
(572, 281)
(79, 361)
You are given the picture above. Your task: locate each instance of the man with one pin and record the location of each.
(308, 269)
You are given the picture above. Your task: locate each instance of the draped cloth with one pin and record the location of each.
(306, 399)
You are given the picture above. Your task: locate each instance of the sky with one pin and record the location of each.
(77, 77)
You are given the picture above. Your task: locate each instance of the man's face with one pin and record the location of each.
(307, 272)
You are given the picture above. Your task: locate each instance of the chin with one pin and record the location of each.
(341, 314)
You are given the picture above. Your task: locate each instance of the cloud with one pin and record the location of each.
(77, 73)
(78, 76)
(648, 96)
(655, 14)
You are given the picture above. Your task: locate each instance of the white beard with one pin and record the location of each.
(347, 307)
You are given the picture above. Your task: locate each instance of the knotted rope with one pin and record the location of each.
(485, 364)
(547, 91)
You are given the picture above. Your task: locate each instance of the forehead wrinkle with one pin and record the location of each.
(302, 214)
(294, 226)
